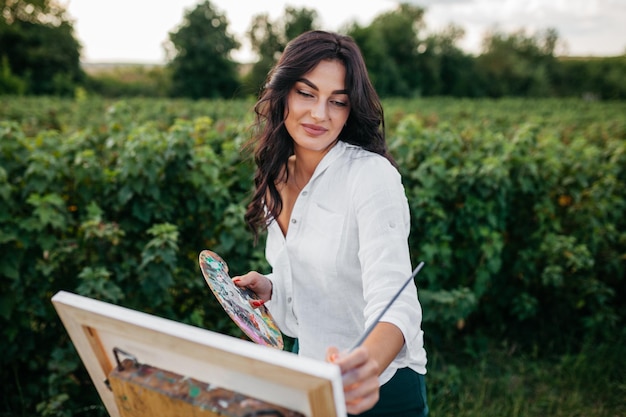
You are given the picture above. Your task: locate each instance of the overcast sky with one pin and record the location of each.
(134, 30)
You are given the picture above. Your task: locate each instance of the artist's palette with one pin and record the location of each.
(256, 323)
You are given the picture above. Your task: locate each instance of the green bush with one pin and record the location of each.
(523, 232)
(10, 83)
(129, 81)
(517, 210)
(118, 215)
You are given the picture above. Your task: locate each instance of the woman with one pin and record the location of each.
(337, 218)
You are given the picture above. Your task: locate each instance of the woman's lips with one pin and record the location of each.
(314, 130)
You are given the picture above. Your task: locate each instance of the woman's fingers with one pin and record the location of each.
(257, 303)
(332, 354)
(362, 397)
(359, 376)
(244, 280)
(256, 282)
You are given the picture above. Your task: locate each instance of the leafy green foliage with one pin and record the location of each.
(593, 78)
(528, 218)
(129, 81)
(517, 210)
(268, 39)
(404, 60)
(201, 66)
(445, 70)
(9, 82)
(39, 43)
(517, 64)
(390, 49)
(120, 215)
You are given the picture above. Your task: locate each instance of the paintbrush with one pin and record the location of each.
(395, 297)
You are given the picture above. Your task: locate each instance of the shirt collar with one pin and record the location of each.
(331, 156)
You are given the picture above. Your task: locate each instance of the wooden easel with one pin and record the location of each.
(191, 361)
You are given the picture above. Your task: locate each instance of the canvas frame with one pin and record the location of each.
(311, 387)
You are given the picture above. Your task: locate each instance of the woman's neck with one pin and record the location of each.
(304, 163)
(300, 172)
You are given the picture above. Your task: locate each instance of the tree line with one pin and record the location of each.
(40, 55)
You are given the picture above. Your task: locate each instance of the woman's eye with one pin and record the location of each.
(339, 103)
(304, 93)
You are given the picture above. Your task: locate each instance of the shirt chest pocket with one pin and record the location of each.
(321, 238)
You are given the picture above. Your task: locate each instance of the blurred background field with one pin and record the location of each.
(41, 55)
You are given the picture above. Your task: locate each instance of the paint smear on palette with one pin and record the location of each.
(256, 323)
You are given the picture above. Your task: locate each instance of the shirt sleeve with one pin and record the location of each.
(383, 219)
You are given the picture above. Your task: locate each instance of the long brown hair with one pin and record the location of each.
(274, 145)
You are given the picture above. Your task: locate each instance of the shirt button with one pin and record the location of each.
(288, 299)
(304, 193)
(294, 221)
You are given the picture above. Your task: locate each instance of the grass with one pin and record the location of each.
(589, 383)
(501, 382)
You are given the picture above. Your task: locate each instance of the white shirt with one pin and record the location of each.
(344, 257)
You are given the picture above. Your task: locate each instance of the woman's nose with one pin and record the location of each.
(319, 110)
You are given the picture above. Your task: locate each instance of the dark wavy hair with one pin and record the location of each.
(274, 145)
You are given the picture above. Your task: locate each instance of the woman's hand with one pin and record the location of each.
(361, 367)
(256, 282)
(359, 371)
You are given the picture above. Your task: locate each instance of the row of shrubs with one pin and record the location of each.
(520, 221)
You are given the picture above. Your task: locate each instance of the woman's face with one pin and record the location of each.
(318, 107)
